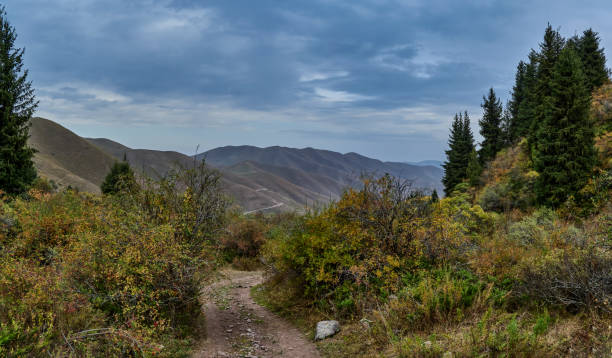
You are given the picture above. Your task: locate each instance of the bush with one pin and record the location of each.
(444, 295)
(243, 238)
(578, 279)
(359, 249)
(534, 228)
(84, 275)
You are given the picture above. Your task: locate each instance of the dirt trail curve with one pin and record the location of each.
(238, 327)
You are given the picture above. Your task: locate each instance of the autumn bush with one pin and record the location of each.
(364, 247)
(242, 241)
(85, 275)
(413, 277)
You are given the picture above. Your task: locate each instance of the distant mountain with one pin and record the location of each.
(434, 163)
(242, 182)
(274, 178)
(322, 169)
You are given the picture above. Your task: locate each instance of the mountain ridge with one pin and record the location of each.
(274, 178)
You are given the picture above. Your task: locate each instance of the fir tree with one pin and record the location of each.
(452, 166)
(434, 196)
(517, 96)
(490, 127)
(593, 59)
(506, 127)
(461, 144)
(550, 48)
(17, 105)
(525, 111)
(121, 177)
(564, 152)
(474, 169)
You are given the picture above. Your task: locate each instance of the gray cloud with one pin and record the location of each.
(368, 72)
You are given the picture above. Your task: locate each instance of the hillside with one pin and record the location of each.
(66, 158)
(248, 193)
(336, 170)
(274, 178)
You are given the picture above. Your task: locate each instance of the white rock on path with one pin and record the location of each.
(326, 329)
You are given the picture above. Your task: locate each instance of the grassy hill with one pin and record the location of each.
(66, 158)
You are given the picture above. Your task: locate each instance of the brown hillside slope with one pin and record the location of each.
(251, 192)
(66, 158)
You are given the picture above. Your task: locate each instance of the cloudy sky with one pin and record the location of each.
(379, 77)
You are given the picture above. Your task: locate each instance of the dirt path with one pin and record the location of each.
(238, 327)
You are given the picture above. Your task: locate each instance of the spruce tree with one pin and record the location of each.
(506, 127)
(490, 127)
(461, 144)
(120, 178)
(474, 169)
(434, 196)
(517, 96)
(526, 108)
(593, 59)
(17, 105)
(564, 153)
(452, 166)
(550, 48)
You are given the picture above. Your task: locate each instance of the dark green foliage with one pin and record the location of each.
(474, 169)
(434, 196)
(550, 48)
(461, 145)
(490, 127)
(506, 124)
(593, 59)
(525, 110)
(17, 105)
(120, 177)
(518, 95)
(564, 152)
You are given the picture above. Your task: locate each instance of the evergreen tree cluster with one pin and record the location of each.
(534, 79)
(549, 106)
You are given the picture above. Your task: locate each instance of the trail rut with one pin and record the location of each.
(238, 327)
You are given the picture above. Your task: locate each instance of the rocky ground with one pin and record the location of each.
(238, 327)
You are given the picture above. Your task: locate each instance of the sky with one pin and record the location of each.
(382, 78)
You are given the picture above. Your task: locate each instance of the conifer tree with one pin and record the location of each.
(120, 178)
(452, 166)
(550, 48)
(17, 105)
(517, 96)
(506, 127)
(526, 109)
(593, 59)
(434, 196)
(564, 152)
(461, 144)
(490, 127)
(474, 169)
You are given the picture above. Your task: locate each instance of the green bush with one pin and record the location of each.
(534, 228)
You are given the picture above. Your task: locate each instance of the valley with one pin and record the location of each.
(258, 179)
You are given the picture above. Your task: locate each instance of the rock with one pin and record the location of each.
(447, 354)
(326, 329)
